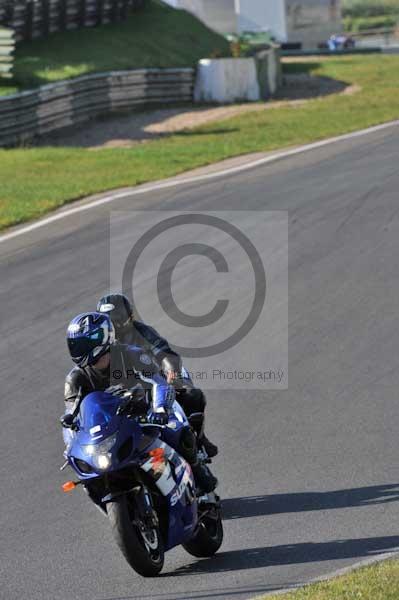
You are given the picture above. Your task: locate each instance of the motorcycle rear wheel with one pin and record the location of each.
(208, 537)
(143, 550)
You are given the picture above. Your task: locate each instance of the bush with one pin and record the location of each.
(364, 24)
(370, 8)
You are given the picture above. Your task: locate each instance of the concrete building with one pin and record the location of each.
(308, 22)
(312, 21)
(217, 14)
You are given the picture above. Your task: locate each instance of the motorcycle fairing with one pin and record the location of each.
(98, 420)
(173, 477)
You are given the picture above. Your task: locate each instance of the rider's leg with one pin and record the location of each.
(192, 401)
(189, 450)
(182, 438)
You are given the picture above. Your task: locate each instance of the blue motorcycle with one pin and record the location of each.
(130, 470)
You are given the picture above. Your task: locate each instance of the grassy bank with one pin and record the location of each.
(369, 8)
(362, 15)
(378, 582)
(357, 25)
(34, 181)
(156, 36)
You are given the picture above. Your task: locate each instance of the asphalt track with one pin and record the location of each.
(309, 475)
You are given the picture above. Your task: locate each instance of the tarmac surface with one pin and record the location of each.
(309, 475)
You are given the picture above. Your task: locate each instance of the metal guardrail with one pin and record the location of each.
(32, 19)
(372, 32)
(54, 106)
(7, 47)
(327, 52)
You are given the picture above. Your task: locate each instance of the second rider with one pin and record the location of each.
(130, 331)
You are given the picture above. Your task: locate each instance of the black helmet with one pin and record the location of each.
(119, 309)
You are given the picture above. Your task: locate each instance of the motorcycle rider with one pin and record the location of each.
(130, 331)
(102, 363)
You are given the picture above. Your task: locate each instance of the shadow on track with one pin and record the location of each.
(272, 556)
(290, 554)
(256, 506)
(227, 592)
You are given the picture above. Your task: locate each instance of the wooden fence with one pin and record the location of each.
(28, 114)
(7, 46)
(32, 19)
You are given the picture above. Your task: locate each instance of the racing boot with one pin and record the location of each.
(197, 422)
(204, 480)
(210, 448)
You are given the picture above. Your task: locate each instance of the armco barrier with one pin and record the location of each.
(32, 19)
(326, 52)
(28, 114)
(7, 47)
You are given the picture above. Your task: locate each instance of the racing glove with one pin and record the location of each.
(161, 417)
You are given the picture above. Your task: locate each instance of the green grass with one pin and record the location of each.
(34, 181)
(369, 8)
(156, 36)
(362, 15)
(359, 24)
(377, 582)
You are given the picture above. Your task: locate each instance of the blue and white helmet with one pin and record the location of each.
(89, 337)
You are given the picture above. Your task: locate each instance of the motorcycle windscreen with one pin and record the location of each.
(97, 411)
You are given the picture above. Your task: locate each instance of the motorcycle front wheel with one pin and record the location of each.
(142, 547)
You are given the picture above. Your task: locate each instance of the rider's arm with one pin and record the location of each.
(74, 382)
(163, 394)
(166, 358)
(71, 387)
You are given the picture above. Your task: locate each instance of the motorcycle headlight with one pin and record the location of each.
(102, 461)
(102, 448)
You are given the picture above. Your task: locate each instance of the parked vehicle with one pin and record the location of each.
(340, 42)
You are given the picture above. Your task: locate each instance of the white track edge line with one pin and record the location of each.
(177, 182)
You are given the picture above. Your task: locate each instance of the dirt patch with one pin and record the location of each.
(124, 131)
(303, 86)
